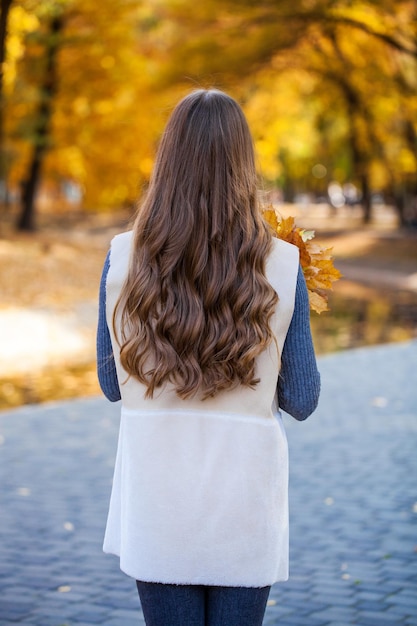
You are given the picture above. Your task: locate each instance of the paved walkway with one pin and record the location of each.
(353, 506)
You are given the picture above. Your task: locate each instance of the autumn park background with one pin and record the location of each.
(330, 92)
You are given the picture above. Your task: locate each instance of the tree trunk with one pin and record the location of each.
(5, 7)
(399, 205)
(366, 198)
(359, 158)
(356, 110)
(26, 220)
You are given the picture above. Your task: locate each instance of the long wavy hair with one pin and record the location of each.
(195, 307)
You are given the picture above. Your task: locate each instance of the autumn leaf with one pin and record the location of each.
(318, 301)
(316, 261)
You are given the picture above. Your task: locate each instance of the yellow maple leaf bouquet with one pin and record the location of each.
(316, 261)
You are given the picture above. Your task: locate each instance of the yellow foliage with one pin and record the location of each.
(21, 22)
(408, 161)
(123, 65)
(316, 261)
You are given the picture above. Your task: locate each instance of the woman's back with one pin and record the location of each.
(190, 471)
(203, 334)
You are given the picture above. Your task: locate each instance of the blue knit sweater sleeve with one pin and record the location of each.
(299, 379)
(106, 368)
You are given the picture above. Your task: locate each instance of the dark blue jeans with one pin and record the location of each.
(199, 605)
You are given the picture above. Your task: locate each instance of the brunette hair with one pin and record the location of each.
(195, 306)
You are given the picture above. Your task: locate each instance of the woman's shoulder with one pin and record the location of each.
(121, 238)
(119, 255)
(120, 245)
(282, 267)
(282, 251)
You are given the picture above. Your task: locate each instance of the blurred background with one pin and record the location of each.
(330, 92)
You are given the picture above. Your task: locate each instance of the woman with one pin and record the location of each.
(200, 311)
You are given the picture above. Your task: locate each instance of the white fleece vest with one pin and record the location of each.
(200, 490)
